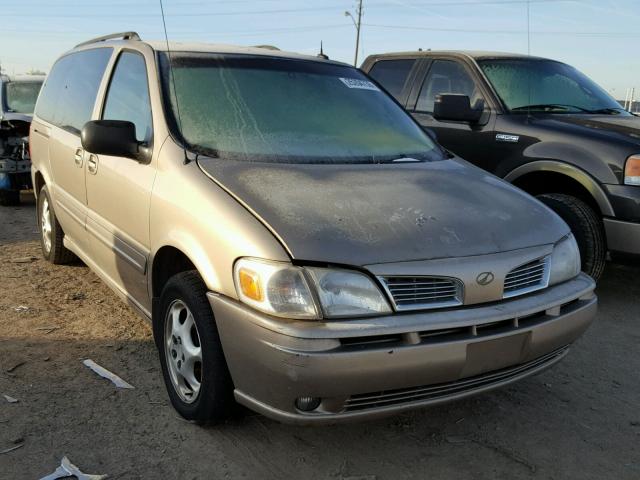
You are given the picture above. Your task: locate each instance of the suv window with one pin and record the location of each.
(69, 93)
(446, 76)
(392, 74)
(128, 95)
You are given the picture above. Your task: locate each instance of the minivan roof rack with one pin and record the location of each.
(267, 47)
(121, 35)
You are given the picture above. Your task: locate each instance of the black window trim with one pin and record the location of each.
(149, 143)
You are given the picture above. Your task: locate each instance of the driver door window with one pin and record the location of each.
(128, 95)
(446, 76)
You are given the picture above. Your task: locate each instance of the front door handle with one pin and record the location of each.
(92, 164)
(78, 157)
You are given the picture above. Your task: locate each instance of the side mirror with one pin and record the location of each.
(455, 108)
(110, 137)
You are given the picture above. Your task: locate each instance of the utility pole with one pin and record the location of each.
(357, 23)
(626, 99)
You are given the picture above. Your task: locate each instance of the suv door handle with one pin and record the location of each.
(92, 164)
(78, 157)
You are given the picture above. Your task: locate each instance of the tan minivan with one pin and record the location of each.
(300, 245)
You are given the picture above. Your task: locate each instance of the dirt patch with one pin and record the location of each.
(580, 419)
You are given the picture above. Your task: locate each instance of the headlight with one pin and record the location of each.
(285, 290)
(632, 170)
(275, 288)
(345, 293)
(565, 260)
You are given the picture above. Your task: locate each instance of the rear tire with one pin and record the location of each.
(586, 226)
(9, 198)
(193, 364)
(51, 234)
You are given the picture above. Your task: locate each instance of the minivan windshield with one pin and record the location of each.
(545, 85)
(253, 108)
(20, 97)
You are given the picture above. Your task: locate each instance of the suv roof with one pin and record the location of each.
(130, 38)
(474, 54)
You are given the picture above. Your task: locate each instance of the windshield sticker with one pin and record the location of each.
(361, 84)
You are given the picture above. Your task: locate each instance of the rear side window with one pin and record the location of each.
(128, 95)
(446, 76)
(392, 74)
(69, 93)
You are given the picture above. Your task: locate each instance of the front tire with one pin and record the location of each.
(51, 234)
(193, 364)
(587, 228)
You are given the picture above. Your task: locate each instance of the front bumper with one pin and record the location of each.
(377, 366)
(622, 237)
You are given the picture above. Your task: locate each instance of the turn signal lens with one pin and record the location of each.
(250, 284)
(276, 288)
(632, 170)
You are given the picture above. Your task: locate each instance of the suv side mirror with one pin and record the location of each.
(110, 137)
(455, 108)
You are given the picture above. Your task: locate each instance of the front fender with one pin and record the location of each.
(569, 170)
(193, 214)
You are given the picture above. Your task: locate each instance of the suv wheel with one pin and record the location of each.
(586, 226)
(193, 364)
(51, 234)
(9, 198)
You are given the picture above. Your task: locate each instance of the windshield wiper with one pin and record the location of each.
(609, 110)
(554, 106)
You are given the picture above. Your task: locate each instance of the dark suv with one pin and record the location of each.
(539, 124)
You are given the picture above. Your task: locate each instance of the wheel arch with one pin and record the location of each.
(167, 262)
(542, 175)
(38, 182)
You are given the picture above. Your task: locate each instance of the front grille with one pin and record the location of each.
(527, 278)
(411, 293)
(433, 392)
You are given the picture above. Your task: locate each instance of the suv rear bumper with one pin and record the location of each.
(377, 366)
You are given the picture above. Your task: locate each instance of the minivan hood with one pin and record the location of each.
(380, 213)
(612, 127)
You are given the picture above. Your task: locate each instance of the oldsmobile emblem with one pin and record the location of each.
(485, 278)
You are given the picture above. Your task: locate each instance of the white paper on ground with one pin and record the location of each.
(67, 469)
(103, 372)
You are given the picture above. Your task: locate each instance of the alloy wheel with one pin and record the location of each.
(183, 351)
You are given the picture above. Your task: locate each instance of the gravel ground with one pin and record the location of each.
(579, 420)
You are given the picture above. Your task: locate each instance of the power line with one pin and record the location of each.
(283, 10)
(510, 32)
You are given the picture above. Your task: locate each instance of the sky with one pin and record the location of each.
(599, 37)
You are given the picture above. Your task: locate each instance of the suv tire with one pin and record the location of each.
(193, 364)
(51, 233)
(9, 198)
(586, 226)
